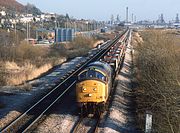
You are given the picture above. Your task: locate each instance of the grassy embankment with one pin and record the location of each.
(158, 63)
(25, 62)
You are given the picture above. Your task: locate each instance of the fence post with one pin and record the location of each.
(148, 124)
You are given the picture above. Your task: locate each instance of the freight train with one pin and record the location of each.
(95, 81)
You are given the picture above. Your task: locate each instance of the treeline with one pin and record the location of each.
(158, 64)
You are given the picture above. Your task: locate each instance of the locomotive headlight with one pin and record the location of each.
(94, 89)
(90, 95)
(83, 89)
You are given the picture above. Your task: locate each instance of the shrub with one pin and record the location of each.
(82, 42)
(29, 52)
(25, 61)
(2, 74)
(158, 61)
(58, 50)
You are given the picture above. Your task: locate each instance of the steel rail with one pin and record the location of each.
(75, 129)
(25, 130)
(16, 126)
(94, 128)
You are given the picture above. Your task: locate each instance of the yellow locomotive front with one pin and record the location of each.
(93, 87)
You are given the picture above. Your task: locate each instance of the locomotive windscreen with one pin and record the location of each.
(92, 74)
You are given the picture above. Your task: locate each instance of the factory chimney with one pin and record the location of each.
(126, 14)
(132, 18)
(177, 18)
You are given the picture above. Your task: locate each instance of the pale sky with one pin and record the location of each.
(102, 9)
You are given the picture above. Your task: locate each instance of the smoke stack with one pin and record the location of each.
(132, 18)
(127, 14)
(177, 18)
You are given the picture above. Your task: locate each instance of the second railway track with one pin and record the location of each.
(25, 121)
(87, 124)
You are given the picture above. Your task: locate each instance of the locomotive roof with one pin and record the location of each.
(101, 65)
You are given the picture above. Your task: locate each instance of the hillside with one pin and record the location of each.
(12, 4)
(30, 8)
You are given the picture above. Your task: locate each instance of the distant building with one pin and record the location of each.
(29, 15)
(2, 21)
(45, 35)
(177, 18)
(26, 19)
(47, 16)
(42, 16)
(36, 19)
(161, 20)
(3, 13)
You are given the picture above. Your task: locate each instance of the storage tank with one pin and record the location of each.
(64, 34)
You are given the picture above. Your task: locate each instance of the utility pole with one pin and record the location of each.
(15, 27)
(55, 22)
(27, 27)
(28, 24)
(15, 32)
(27, 30)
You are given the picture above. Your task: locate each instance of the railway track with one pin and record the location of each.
(83, 122)
(26, 120)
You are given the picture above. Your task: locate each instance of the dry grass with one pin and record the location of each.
(8, 118)
(83, 42)
(79, 47)
(16, 75)
(25, 62)
(24, 73)
(158, 63)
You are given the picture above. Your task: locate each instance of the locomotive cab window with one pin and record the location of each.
(82, 75)
(92, 74)
(101, 76)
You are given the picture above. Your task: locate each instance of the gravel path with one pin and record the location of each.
(87, 125)
(15, 102)
(62, 117)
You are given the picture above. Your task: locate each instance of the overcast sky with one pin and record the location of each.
(102, 9)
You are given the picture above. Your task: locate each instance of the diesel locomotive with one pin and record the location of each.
(94, 82)
(93, 87)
